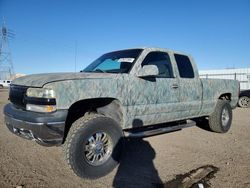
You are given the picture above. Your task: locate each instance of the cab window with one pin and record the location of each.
(184, 66)
(162, 62)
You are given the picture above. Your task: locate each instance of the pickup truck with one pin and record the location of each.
(5, 83)
(128, 93)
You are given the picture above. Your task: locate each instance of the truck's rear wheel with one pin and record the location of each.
(93, 146)
(244, 102)
(220, 120)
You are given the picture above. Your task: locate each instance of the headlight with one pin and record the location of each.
(40, 93)
(40, 100)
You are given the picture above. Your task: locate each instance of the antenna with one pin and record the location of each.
(6, 64)
(75, 54)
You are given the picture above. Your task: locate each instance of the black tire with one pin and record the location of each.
(221, 119)
(79, 136)
(244, 102)
(1, 86)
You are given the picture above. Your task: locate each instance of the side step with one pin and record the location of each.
(158, 130)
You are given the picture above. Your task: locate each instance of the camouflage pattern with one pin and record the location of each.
(39, 80)
(142, 101)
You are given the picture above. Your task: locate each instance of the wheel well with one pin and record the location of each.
(109, 107)
(225, 96)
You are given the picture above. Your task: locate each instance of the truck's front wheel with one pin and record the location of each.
(93, 146)
(220, 120)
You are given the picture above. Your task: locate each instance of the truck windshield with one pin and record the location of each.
(114, 62)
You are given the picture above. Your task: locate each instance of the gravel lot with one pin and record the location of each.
(146, 162)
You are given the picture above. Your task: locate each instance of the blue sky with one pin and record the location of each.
(216, 33)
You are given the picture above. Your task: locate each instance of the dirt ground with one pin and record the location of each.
(146, 162)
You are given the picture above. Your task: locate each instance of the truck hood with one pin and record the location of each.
(39, 80)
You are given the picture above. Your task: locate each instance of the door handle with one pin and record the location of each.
(174, 86)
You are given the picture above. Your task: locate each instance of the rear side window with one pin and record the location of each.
(184, 66)
(162, 61)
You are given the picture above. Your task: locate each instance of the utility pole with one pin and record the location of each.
(6, 64)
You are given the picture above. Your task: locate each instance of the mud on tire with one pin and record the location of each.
(93, 146)
(220, 120)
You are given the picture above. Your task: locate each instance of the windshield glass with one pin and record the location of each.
(114, 62)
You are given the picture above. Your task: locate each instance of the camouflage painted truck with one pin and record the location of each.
(128, 93)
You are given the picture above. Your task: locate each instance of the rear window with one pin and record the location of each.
(184, 66)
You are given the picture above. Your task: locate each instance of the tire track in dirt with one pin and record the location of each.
(14, 174)
(12, 171)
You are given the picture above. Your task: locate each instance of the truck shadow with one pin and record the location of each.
(136, 167)
(203, 124)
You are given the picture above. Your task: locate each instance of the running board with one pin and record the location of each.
(161, 130)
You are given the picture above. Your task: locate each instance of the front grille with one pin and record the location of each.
(17, 95)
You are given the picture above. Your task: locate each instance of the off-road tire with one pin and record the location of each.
(74, 146)
(215, 121)
(244, 102)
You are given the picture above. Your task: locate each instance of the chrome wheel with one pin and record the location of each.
(244, 102)
(225, 117)
(98, 148)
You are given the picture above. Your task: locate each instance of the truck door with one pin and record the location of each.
(189, 85)
(163, 91)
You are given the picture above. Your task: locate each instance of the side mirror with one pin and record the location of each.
(148, 70)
